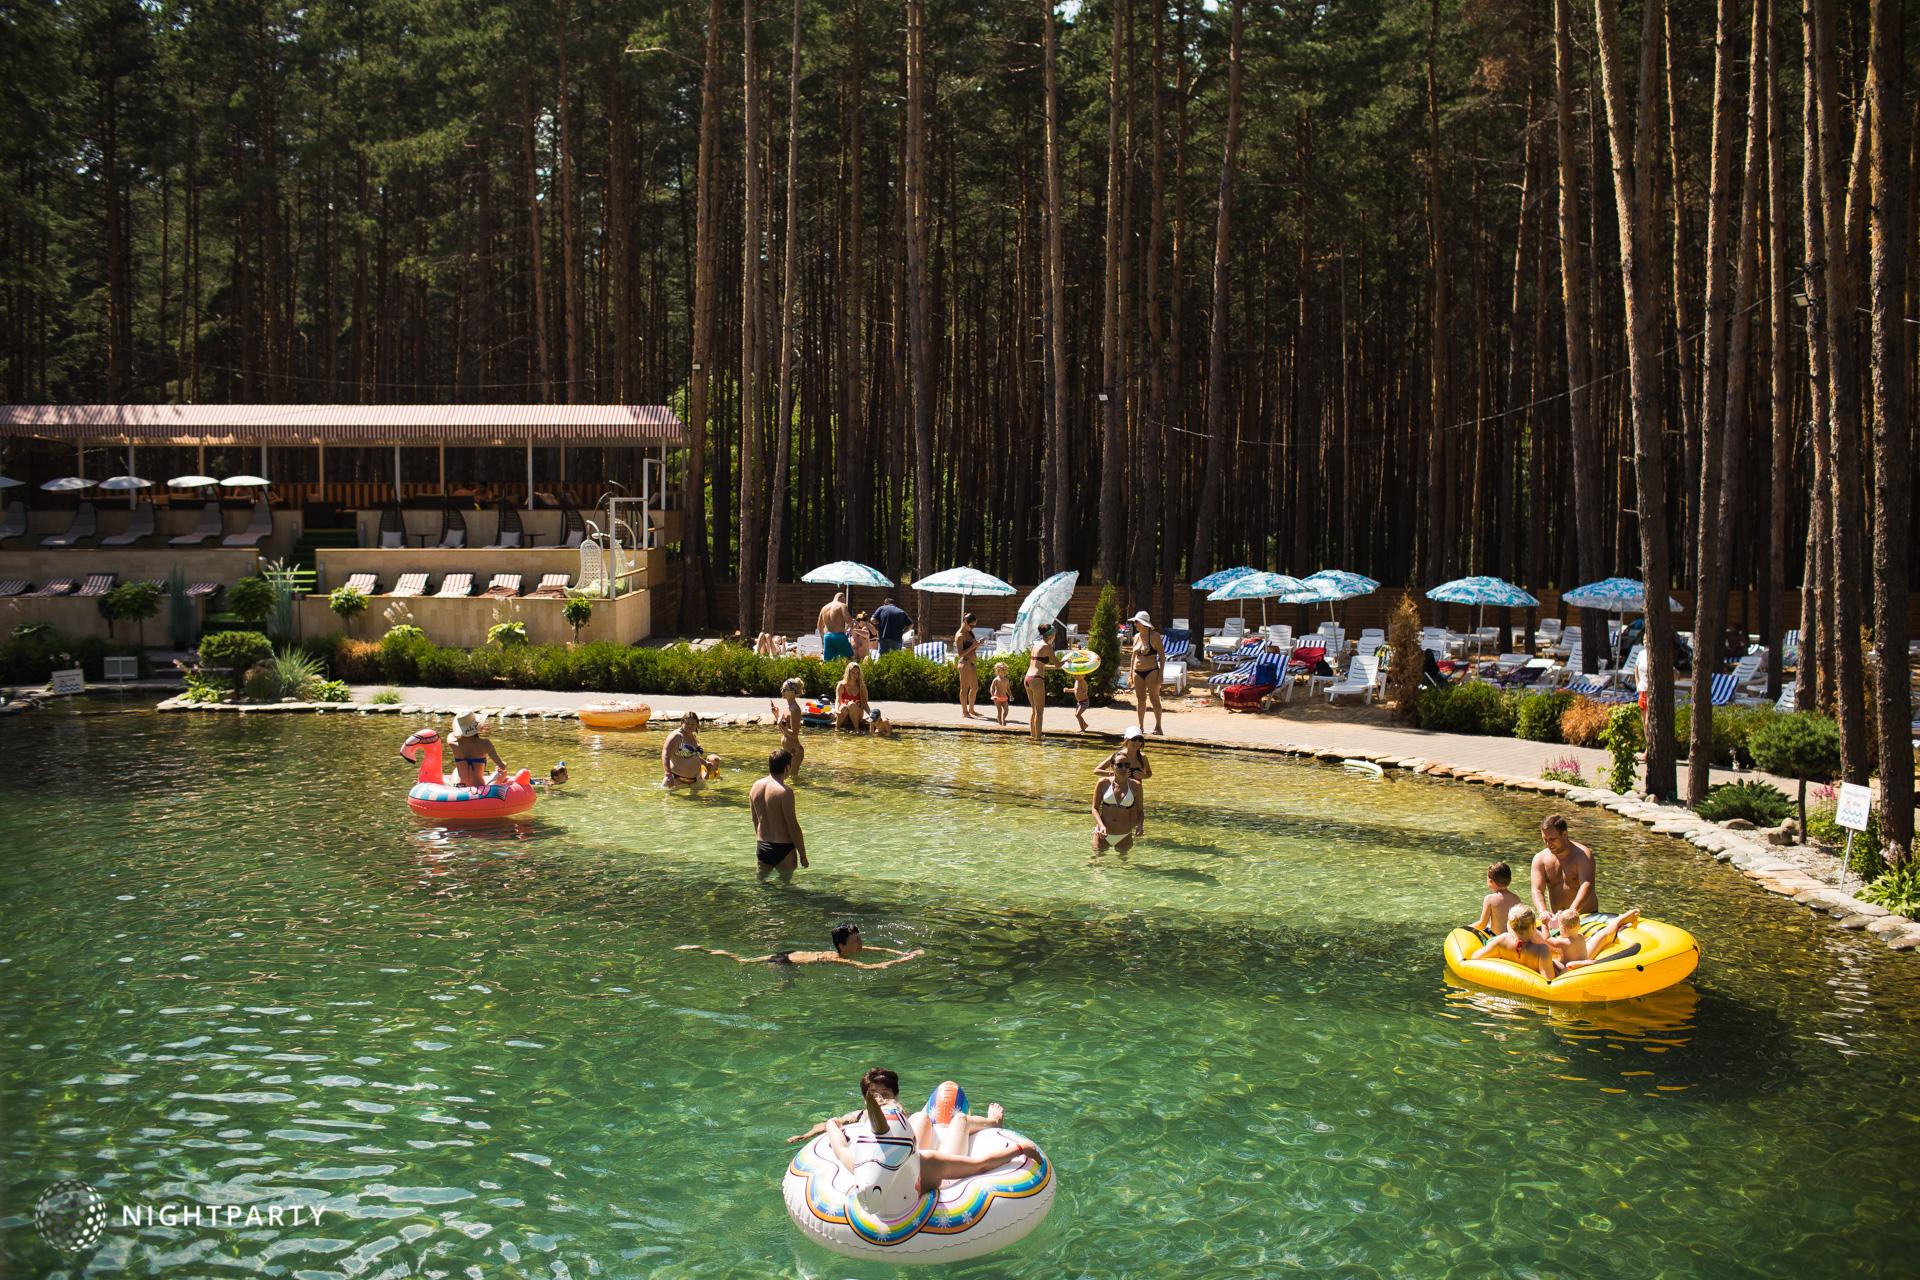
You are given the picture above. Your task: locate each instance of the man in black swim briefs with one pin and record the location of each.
(783, 846)
(847, 947)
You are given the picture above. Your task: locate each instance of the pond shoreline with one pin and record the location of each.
(1785, 871)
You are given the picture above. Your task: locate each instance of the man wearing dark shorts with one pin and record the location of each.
(783, 846)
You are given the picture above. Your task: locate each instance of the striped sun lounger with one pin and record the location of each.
(410, 584)
(201, 590)
(13, 587)
(553, 586)
(1243, 675)
(57, 587)
(505, 586)
(932, 650)
(361, 582)
(1178, 647)
(455, 585)
(97, 584)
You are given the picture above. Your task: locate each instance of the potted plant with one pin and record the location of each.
(347, 604)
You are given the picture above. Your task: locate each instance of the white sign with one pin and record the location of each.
(1856, 803)
(73, 680)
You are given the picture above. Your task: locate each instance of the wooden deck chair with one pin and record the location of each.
(203, 532)
(455, 586)
(410, 584)
(512, 533)
(259, 528)
(140, 527)
(97, 584)
(504, 586)
(86, 522)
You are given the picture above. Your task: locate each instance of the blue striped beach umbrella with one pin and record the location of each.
(1043, 604)
(1262, 587)
(1342, 585)
(964, 581)
(847, 573)
(1482, 591)
(1614, 595)
(1221, 577)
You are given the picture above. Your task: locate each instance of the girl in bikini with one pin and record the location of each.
(1119, 808)
(469, 748)
(788, 719)
(1148, 652)
(965, 645)
(1001, 692)
(1039, 661)
(850, 699)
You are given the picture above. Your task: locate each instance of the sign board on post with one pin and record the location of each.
(1854, 806)
(73, 680)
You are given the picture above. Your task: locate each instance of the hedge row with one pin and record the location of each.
(1476, 707)
(404, 656)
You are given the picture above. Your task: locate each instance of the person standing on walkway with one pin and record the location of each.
(1149, 655)
(832, 626)
(776, 823)
(891, 623)
(966, 646)
(1039, 662)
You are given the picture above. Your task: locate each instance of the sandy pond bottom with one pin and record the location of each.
(236, 970)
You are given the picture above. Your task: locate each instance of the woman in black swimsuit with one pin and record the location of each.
(1148, 652)
(965, 646)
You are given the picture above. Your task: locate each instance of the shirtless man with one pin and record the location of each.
(847, 947)
(775, 822)
(1563, 873)
(832, 625)
(788, 719)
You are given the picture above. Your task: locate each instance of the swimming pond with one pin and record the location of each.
(236, 970)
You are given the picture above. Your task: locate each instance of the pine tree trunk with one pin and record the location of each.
(1843, 403)
(750, 315)
(570, 282)
(1439, 404)
(536, 247)
(1059, 478)
(1779, 353)
(1588, 478)
(1632, 149)
(1709, 610)
(1217, 357)
(1688, 358)
(1112, 447)
(918, 302)
(1153, 423)
(783, 421)
(1891, 448)
(696, 574)
(851, 458)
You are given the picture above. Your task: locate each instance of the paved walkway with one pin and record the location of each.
(1352, 730)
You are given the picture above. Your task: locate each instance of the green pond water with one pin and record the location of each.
(235, 970)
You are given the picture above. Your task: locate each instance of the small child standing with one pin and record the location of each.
(1499, 900)
(1001, 691)
(1082, 699)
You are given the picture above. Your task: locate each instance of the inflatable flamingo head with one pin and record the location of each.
(423, 749)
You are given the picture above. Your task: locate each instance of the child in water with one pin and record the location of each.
(556, 777)
(1001, 691)
(1082, 699)
(1522, 942)
(1499, 900)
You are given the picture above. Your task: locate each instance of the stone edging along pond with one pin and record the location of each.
(1753, 858)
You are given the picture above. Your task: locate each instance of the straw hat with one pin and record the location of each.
(468, 723)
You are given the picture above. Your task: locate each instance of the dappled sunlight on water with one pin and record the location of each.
(237, 970)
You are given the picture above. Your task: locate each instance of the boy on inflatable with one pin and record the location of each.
(909, 1156)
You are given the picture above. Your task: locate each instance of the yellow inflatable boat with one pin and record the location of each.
(616, 715)
(1645, 957)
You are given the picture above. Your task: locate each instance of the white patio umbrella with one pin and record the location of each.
(191, 482)
(847, 573)
(1042, 606)
(246, 482)
(67, 484)
(8, 482)
(125, 482)
(963, 581)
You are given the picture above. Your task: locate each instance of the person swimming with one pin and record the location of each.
(847, 948)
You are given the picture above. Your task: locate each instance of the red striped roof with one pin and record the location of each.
(346, 424)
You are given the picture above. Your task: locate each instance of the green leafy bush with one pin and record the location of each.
(207, 686)
(1760, 803)
(235, 650)
(1470, 707)
(331, 691)
(131, 601)
(1864, 860)
(577, 611)
(1898, 889)
(507, 634)
(347, 604)
(1622, 738)
(387, 698)
(251, 599)
(1538, 719)
(1803, 745)
(1103, 637)
(400, 651)
(1733, 727)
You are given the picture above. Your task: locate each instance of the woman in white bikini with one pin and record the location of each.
(1119, 808)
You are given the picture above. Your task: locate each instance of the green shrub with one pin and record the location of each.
(296, 674)
(1864, 860)
(1470, 707)
(507, 634)
(1802, 745)
(251, 599)
(1564, 769)
(331, 691)
(235, 650)
(387, 698)
(1103, 637)
(577, 611)
(131, 601)
(1538, 719)
(1898, 889)
(204, 686)
(1622, 738)
(1733, 727)
(400, 651)
(1760, 803)
(347, 604)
